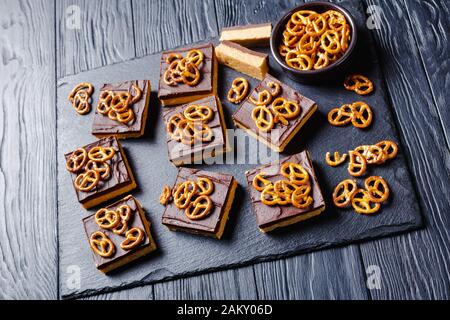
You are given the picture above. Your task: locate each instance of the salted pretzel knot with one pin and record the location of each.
(124, 212)
(101, 244)
(77, 160)
(359, 84)
(80, 97)
(259, 182)
(184, 193)
(285, 110)
(336, 159)
(377, 189)
(340, 116)
(264, 98)
(198, 113)
(205, 186)
(165, 196)
(101, 154)
(238, 91)
(263, 118)
(362, 115)
(362, 204)
(357, 165)
(295, 173)
(134, 237)
(200, 208)
(271, 198)
(301, 197)
(107, 219)
(103, 168)
(87, 181)
(342, 195)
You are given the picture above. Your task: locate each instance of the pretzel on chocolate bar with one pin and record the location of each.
(77, 160)
(134, 237)
(200, 208)
(101, 154)
(238, 91)
(101, 244)
(263, 118)
(87, 181)
(259, 182)
(107, 219)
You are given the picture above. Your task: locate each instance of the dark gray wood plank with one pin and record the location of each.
(414, 265)
(430, 25)
(161, 25)
(28, 234)
(272, 279)
(104, 35)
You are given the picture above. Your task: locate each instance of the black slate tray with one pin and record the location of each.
(181, 254)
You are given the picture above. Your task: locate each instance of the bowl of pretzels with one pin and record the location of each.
(314, 42)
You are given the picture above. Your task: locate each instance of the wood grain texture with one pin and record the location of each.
(28, 235)
(160, 25)
(430, 25)
(414, 266)
(104, 36)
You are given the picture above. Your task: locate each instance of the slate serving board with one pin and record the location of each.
(180, 254)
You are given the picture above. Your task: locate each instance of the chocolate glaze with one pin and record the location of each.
(174, 217)
(243, 114)
(206, 72)
(104, 125)
(177, 149)
(90, 226)
(119, 173)
(267, 215)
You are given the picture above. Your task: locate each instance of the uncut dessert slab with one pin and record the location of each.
(180, 254)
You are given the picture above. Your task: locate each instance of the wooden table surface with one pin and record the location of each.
(41, 41)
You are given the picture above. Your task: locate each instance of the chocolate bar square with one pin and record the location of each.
(103, 125)
(183, 93)
(180, 153)
(121, 257)
(121, 178)
(281, 134)
(222, 198)
(271, 217)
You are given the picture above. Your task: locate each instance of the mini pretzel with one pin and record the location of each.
(361, 115)
(340, 116)
(198, 113)
(124, 212)
(263, 118)
(87, 181)
(390, 149)
(362, 204)
(270, 198)
(377, 189)
(238, 91)
(301, 198)
(264, 98)
(184, 194)
(134, 237)
(205, 186)
(276, 88)
(103, 168)
(357, 165)
(308, 44)
(259, 182)
(342, 195)
(80, 97)
(77, 160)
(373, 154)
(165, 196)
(101, 244)
(359, 84)
(330, 41)
(191, 75)
(285, 110)
(298, 60)
(284, 187)
(200, 208)
(295, 172)
(195, 56)
(104, 102)
(101, 154)
(121, 228)
(337, 160)
(107, 219)
(183, 70)
(316, 24)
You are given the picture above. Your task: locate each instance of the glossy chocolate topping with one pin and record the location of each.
(104, 125)
(119, 173)
(269, 215)
(90, 226)
(279, 133)
(177, 218)
(206, 72)
(177, 149)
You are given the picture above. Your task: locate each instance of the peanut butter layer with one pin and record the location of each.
(241, 59)
(248, 35)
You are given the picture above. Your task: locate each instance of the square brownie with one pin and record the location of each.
(281, 134)
(180, 93)
(272, 217)
(222, 198)
(121, 179)
(104, 126)
(184, 153)
(121, 256)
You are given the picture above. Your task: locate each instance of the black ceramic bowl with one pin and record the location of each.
(331, 73)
